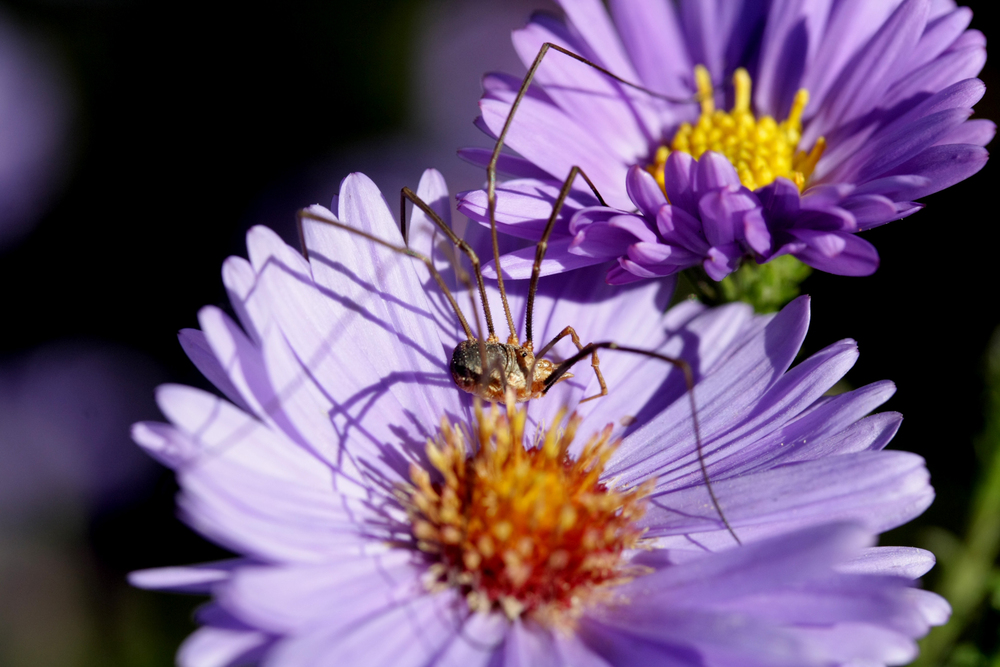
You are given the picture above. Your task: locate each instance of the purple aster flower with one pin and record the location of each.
(35, 114)
(841, 115)
(382, 517)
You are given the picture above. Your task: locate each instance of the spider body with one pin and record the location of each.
(510, 367)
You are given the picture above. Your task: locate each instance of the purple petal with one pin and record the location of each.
(977, 132)
(714, 171)
(618, 647)
(755, 231)
(679, 180)
(850, 26)
(837, 253)
(722, 260)
(819, 197)
(511, 165)
(546, 136)
(289, 599)
(649, 254)
(777, 428)
(524, 207)
(949, 69)
(528, 645)
(221, 646)
(517, 265)
(783, 55)
(891, 148)
(893, 187)
(940, 34)
(241, 496)
(408, 634)
(433, 190)
(165, 443)
(908, 562)
(591, 21)
(652, 35)
(751, 370)
(861, 82)
(942, 166)
(199, 579)
(644, 191)
(723, 211)
(264, 247)
(602, 240)
(880, 490)
(870, 210)
(240, 280)
(587, 95)
(680, 228)
(478, 642)
(627, 272)
(788, 559)
(198, 350)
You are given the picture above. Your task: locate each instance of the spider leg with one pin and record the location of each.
(543, 245)
(595, 363)
(408, 194)
(491, 168)
(688, 380)
(306, 214)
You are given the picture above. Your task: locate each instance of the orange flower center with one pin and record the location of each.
(528, 530)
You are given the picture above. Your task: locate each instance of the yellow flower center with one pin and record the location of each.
(527, 530)
(760, 149)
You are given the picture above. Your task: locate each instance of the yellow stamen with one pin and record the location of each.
(742, 83)
(524, 530)
(761, 149)
(703, 80)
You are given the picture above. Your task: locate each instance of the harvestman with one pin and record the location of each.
(514, 367)
(591, 348)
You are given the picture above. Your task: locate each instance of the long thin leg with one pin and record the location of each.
(403, 250)
(595, 363)
(407, 193)
(491, 168)
(543, 244)
(689, 381)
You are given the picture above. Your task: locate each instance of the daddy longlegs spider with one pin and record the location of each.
(591, 349)
(513, 371)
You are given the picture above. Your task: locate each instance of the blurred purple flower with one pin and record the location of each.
(64, 412)
(863, 106)
(34, 126)
(313, 470)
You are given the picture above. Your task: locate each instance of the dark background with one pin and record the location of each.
(196, 118)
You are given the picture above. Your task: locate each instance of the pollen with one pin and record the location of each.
(761, 149)
(526, 530)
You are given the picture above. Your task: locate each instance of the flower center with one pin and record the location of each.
(525, 530)
(760, 149)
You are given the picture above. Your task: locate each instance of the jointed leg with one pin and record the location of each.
(407, 193)
(595, 363)
(543, 244)
(491, 169)
(305, 214)
(688, 380)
